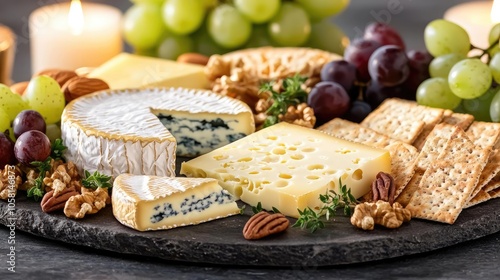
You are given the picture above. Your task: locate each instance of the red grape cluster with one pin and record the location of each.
(31, 142)
(374, 68)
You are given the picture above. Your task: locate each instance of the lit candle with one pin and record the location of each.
(70, 36)
(477, 18)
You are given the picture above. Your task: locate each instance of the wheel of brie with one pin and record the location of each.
(141, 131)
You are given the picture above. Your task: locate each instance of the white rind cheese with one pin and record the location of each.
(153, 203)
(288, 166)
(140, 131)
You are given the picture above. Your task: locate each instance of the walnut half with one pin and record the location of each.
(89, 202)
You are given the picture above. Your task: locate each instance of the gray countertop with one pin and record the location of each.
(39, 258)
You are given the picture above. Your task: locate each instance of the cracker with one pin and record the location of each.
(480, 197)
(494, 193)
(461, 120)
(491, 169)
(392, 118)
(447, 184)
(492, 184)
(433, 146)
(403, 159)
(484, 134)
(355, 132)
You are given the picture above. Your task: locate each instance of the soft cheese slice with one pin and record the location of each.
(288, 166)
(151, 203)
(133, 71)
(121, 131)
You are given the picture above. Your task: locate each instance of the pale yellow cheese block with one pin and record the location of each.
(288, 166)
(133, 71)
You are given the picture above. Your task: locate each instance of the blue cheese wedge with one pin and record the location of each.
(154, 203)
(141, 131)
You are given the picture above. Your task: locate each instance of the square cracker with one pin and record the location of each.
(494, 193)
(493, 184)
(461, 120)
(480, 197)
(435, 143)
(484, 134)
(447, 184)
(491, 169)
(394, 118)
(403, 160)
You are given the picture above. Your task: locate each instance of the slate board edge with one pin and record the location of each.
(305, 254)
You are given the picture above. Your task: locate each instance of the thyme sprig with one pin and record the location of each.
(292, 94)
(312, 220)
(37, 191)
(96, 180)
(57, 149)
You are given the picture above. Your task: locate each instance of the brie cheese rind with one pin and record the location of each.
(139, 131)
(152, 203)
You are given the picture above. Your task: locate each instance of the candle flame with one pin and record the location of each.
(75, 17)
(495, 11)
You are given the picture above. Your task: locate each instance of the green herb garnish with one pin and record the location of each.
(311, 220)
(292, 95)
(257, 209)
(96, 180)
(57, 149)
(37, 190)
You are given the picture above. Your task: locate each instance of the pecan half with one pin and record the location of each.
(263, 224)
(51, 203)
(383, 188)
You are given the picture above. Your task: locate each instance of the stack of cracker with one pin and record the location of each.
(442, 162)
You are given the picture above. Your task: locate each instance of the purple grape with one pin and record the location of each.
(358, 111)
(384, 34)
(419, 60)
(6, 150)
(388, 66)
(375, 94)
(341, 72)
(419, 71)
(28, 120)
(329, 100)
(358, 53)
(32, 146)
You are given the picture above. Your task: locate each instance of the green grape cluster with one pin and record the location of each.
(168, 28)
(461, 80)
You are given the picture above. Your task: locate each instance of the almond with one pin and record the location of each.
(61, 76)
(193, 58)
(20, 87)
(79, 86)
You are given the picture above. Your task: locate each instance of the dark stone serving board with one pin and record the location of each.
(222, 242)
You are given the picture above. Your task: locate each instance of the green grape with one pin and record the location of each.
(435, 92)
(259, 37)
(444, 37)
(319, 9)
(460, 108)
(4, 120)
(469, 78)
(45, 96)
(494, 37)
(10, 102)
(228, 27)
(291, 26)
(204, 44)
(495, 107)
(495, 67)
(327, 36)
(143, 26)
(209, 3)
(183, 16)
(258, 11)
(53, 132)
(480, 107)
(440, 66)
(174, 45)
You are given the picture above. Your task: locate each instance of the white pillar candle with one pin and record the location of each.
(477, 18)
(69, 41)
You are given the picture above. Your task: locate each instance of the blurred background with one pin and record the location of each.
(409, 17)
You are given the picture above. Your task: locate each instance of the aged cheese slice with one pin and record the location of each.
(151, 202)
(288, 166)
(133, 71)
(138, 131)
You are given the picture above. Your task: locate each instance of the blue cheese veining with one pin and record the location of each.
(152, 203)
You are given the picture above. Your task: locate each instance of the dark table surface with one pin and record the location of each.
(39, 258)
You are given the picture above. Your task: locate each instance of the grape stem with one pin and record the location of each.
(485, 51)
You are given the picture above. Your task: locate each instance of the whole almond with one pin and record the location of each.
(20, 87)
(193, 58)
(61, 76)
(79, 86)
